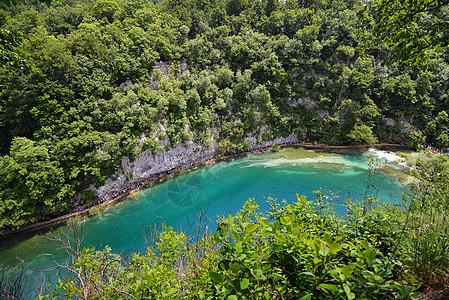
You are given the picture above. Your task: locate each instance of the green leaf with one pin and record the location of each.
(324, 250)
(276, 225)
(235, 267)
(235, 235)
(347, 270)
(329, 287)
(230, 220)
(295, 231)
(232, 297)
(327, 237)
(370, 255)
(335, 247)
(215, 277)
(285, 220)
(364, 244)
(238, 248)
(264, 223)
(347, 290)
(224, 264)
(304, 296)
(280, 237)
(250, 228)
(244, 283)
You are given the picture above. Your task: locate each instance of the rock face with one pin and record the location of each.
(146, 165)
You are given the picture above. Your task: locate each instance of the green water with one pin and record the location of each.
(222, 188)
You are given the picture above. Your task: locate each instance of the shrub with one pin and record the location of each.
(294, 251)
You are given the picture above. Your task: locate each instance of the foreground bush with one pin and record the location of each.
(294, 251)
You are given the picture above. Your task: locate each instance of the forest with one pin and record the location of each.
(85, 83)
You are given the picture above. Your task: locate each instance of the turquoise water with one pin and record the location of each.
(222, 188)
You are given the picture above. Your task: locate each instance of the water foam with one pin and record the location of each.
(388, 156)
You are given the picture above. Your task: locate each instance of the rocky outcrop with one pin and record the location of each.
(147, 166)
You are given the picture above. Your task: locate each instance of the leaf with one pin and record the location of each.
(364, 244)
(224, 264)
(304, 296)
(215, 277)
(232, 297)
(230, 220)
(347, 270)
(264, 223)
(235, 235)
(238, 248)
(244, 283)
(285, 220)
(327, 237)
(280, 237)
(328, 286)
(347, 290)
(250, 228)
(324, 250)
(276, 225)
(295, 231)
(235, 267)
(335, 247)
(370, 255)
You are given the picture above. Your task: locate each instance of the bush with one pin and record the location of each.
(294, 251)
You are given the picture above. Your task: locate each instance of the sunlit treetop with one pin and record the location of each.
(15, 2)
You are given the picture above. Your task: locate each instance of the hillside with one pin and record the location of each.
(96, 84)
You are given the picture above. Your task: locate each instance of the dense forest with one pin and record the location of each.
(85, 83)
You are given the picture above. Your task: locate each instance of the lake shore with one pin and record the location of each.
(95, 206)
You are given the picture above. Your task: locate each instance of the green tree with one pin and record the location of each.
(31, 185)
(362, 134)
(411, 30)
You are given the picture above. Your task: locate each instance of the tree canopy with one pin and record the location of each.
(102, 80)
(411, 30)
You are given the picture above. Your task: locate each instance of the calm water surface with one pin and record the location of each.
(222, 188)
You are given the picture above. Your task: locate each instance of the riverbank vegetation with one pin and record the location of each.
(84, 84)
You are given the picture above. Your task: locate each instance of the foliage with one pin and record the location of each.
(427, 223)
(294, 251)
(275, 148)
(362, 134)
(100, 75)
(412, 30)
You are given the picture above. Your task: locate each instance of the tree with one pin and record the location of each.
(30, 184)
(15, 2)
(362, 134)
(411, 30)
(10, 49)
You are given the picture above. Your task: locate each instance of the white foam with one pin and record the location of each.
(388, 155)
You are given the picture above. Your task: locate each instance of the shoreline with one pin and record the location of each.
(144, 183)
